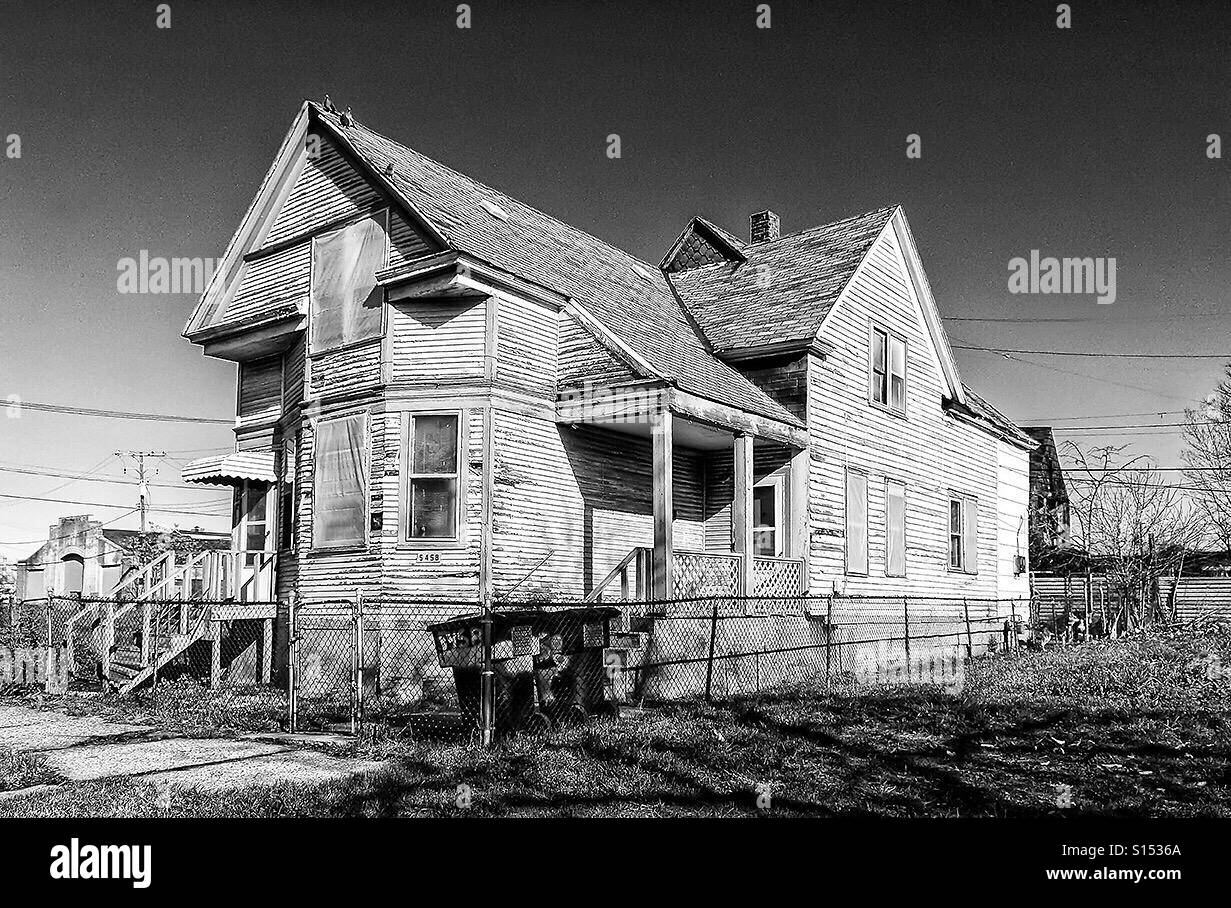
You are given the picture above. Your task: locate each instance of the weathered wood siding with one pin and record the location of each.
(583, 359)
(437, 342)
(260, 390)
(527, 336)
(1013, 482)
(584, 493)
(928, 451)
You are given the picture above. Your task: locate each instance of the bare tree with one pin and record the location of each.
(1133, 524)
(1207, 455)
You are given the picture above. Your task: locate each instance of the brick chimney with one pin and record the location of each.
(763, 227)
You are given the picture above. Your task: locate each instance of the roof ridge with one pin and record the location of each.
(490, 188)
(831, 224)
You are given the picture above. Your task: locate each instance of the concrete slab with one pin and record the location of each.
(83, 748)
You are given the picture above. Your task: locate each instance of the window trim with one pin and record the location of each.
(288, 488)
(846, 523)
(875, 328)
(405, 540)
(309, 352)
(889, 481)
(963, 501)
(776, 481)
(366, 476)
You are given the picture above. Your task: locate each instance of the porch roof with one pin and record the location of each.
(232, 469)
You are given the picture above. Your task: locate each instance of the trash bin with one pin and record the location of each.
(547, 666)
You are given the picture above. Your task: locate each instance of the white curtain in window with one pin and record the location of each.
(895, 529)
(970, 535)
(856, 523)
(346, 302)
(339, 513)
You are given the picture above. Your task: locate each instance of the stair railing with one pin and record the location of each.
(631, 572)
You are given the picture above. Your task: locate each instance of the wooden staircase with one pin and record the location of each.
(161, 610)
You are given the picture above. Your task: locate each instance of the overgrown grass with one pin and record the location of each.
(183, 706)
(1132, 727)
(21, 770)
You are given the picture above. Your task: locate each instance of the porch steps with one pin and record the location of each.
(129, 666)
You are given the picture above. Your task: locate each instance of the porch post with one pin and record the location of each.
(661, 430)
(741, 511)
(797, 511)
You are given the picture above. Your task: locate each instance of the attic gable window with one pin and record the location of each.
(347, 303)
(888, 371)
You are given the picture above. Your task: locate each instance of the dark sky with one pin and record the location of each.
(1083, 142)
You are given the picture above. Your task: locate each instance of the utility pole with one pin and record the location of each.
(142, 488)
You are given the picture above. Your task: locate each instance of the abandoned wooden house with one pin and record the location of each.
(445, 393)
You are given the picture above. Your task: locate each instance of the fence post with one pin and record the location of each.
(1013, 614)
(487, 687)
(709, 663)
(969, 642)
(357, 710)
(108, 641)
(906, 632)
(50, 606)
(828, 635)
(292, 656)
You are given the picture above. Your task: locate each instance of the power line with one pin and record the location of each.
(118, 414)
(1005, 351)
(1098, 321)
(86, 477)
(68, 535)
(1051, 419)
(103, 504)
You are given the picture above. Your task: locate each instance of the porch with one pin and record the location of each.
(728, 496)
(699, 575)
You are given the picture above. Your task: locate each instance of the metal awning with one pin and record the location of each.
(232, 469)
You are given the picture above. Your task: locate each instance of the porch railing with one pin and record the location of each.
(699, 574)
(777, 576)
(705, 574)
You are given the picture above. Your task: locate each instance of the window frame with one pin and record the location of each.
(888, 557)
(966, 556)
(458, 539)
(309, 351)
(781, 527)
(846, 523)
(365, 475)
(890, 335)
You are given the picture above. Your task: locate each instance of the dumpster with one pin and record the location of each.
(547, 666)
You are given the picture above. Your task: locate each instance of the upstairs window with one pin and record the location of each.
(347, 303)
(888, 371)
(433, 492)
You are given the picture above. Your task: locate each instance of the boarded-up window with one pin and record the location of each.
(260, 387)
(346, 301)
(339, 509)
(895, 529)
(432, 491)
(856, 523)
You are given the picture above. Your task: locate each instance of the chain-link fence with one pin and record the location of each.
(448, 669)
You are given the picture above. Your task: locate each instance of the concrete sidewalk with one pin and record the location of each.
(81, 748)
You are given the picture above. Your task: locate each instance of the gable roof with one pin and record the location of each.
(702, 243)
(784, 289)
(626, 296)
(983, 411)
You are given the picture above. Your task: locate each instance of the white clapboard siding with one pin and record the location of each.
(346, 370)
(586, 493)
(1013, 479)
(329, 188)
(438, 341)
(583, 359)
(527, 335)
(929, 452)
(272, 282)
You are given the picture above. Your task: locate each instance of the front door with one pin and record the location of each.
(253, 538)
